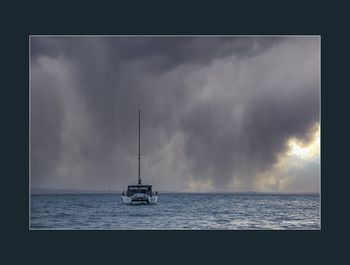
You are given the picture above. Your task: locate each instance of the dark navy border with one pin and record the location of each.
(232, 247)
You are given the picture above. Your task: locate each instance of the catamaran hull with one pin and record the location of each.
(138, 199)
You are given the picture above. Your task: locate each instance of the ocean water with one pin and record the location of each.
(176, 211)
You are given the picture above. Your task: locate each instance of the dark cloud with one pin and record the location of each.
(213, 108)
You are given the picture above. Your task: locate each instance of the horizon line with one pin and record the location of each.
(106, 191)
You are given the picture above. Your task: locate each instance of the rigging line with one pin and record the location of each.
(148, 167)
(144, 145)
(148, 153)
(130, 156)
(150, 170)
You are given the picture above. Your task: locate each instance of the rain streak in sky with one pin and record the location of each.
(218, 113)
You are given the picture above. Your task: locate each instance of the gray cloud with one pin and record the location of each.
(213, 108)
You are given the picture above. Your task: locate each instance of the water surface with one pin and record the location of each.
(176, 211)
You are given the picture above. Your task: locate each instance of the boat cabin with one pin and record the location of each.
(132, 189)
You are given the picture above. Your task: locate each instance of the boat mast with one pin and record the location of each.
(139, 182)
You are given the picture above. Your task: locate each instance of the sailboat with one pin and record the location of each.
(139, 193)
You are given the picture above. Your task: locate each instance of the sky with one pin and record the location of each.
(218, 113)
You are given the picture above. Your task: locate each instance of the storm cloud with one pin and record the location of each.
(216, 111)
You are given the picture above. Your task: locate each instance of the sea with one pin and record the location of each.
(175, 211)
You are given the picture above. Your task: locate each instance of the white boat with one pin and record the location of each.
(139, 193)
